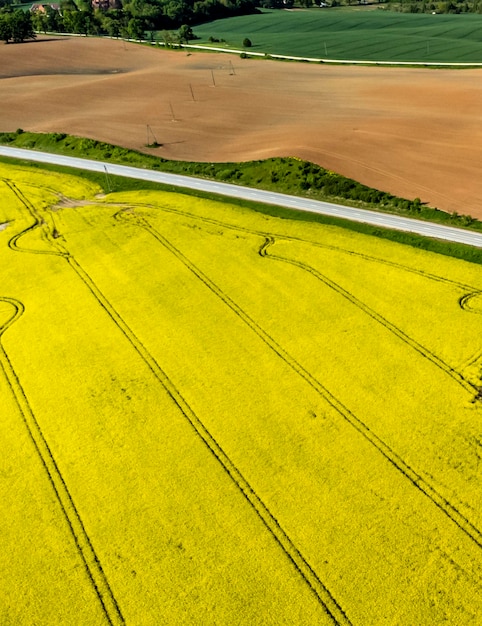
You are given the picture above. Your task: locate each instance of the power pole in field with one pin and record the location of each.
(150, 132)
(173, 117)
(107, 181)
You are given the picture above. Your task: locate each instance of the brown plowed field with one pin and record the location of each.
(413, 132)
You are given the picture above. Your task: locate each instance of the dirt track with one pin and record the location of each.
(413, 132)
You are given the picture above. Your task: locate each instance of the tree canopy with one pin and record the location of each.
(132, 18)
(16, 26)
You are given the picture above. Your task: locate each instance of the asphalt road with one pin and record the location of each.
(383, 220)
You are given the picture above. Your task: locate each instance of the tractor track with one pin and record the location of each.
(390, 455)
(469, 290)
(85, 548)
(398, 332)
(464, 302)
(37, 223)
(63, 496)
(448, 369)
(316, 244)
(325, 598)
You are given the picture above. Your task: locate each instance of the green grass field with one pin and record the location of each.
(215, 416)
(364, 35)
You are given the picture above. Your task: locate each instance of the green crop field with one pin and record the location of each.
(366, 35)
(215, 416)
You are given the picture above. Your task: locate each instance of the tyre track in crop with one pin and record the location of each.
(464, 303)
(37, 222)
(325, 598)
(301, 565)
(17, 312)
(428, 275)
(322, 593)
(449, 370)
(471, 360)
(85, 548)
(469, 290)
(444, 505)
(395, 330)
(316, 244)
(71, 515)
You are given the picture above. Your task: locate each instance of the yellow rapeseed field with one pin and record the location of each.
(211, 416)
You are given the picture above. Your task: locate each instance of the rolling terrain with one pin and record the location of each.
(213, 415)
(217, 416)
(370, 33)
(412, 132)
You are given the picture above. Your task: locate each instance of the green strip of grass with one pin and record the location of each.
(284, 175)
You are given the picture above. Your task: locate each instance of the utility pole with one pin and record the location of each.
(173, 117)
(107, 181)
(149, 133)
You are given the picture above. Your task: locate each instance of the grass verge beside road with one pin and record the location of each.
(285, 175)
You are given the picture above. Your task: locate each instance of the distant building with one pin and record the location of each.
(42, 8)
(104, 5)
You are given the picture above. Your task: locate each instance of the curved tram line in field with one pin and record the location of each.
(329, 604)
(434, 277)
(392, 457)
(83, 544)
(465, 302)
(53, 249)
(85, 548)
(417, 346)
(398, 332)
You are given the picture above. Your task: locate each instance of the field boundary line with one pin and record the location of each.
(76, 526)
(270, 55)
(416, 479)
(321, 60)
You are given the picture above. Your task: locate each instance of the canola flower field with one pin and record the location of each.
(212, 416)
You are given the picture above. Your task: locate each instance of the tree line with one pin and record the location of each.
(16, 26)
(118, 18)
(402, 6)
(446, 6)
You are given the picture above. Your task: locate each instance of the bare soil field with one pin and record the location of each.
(412, 132)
